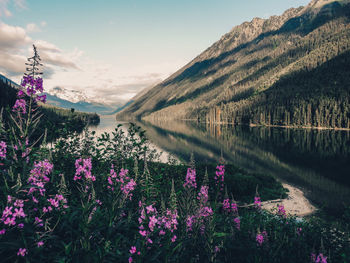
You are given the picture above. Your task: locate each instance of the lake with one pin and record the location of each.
(316, 161)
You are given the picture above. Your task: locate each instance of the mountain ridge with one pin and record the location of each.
(246, 62)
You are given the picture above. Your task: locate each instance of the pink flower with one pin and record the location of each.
(40, 243)
(20, 94)
(259, 239)
(189, 222)
(173, 239)
(321, 259)
(83, 166)
(22, 252)
(130, 259)
(281, 211)
(20, 225)
(150, 209)
(149, 241)
(7, 211)
(2, 232)
(3, 150)
(190, 180)
(143, 233)
(152, 222)
(257, 202)
(132, 250)
(220, 175)
(10, 221)
(19, 212)
(20, 106)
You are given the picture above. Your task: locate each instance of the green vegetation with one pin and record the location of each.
(288, 70)
(103, 203)
(55, 120)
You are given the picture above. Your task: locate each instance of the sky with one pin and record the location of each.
(110, 50)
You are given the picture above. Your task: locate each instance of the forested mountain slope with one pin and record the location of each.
(291, 69)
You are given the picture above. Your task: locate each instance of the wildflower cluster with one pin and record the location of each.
(319, 259)
(33, 86)
(12, 213)
(83, 167)
(127, 184)
(261, 238)
(202, 214)
(230, 207)
(153, 223)
(257, 202)
(190, 181)
(281, 211)
(220, 177)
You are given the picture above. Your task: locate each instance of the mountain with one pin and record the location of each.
(66, 98)
(79, 105)
(290, 70)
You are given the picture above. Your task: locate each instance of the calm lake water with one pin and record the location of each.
(317, 161)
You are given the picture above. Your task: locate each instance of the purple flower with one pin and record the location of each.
(40, 243)
(20, 94)
(130, 259)
(257, 202)
(132, 250)
(281, 211)
(173, 239)
(84, 168)
(20, 106)
(259, 239)
(220, 176)
(2, 232)
(41, 98)
(189, 222)
(190, 179)
(321, 258)
(22, 252)
(39, 84)
(203, 195)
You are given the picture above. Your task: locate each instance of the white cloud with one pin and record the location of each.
(43, 23)
(16, 46)
(4, 9)
(74, 69)
(32, 28)
(12, 37)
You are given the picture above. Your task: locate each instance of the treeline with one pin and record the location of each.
(294, 72)
(54, 120)
(318, 98)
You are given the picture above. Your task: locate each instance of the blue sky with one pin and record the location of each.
(115, 48)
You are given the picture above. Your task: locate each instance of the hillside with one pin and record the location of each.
(54, 119)
(291, 69)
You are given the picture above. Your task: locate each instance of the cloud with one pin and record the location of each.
(12, 65)
(4, 6)
(12, 37)
(16, 46)
(32, 28)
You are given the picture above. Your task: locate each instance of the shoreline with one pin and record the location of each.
(259, 125)
(295, 204)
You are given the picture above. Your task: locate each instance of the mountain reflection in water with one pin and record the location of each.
(317, 161)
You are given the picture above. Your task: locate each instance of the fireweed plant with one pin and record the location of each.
(108, 199)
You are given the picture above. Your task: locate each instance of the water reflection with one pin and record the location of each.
(318, 161)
